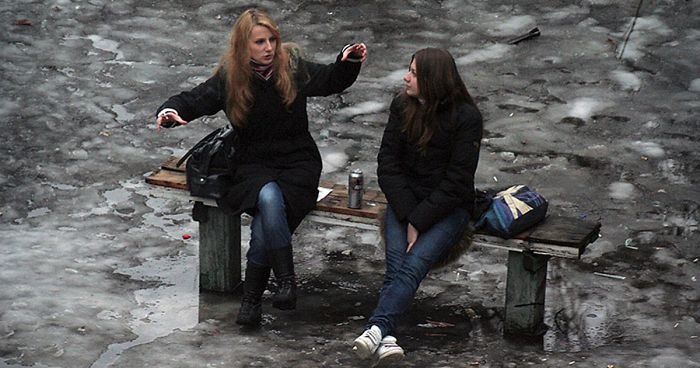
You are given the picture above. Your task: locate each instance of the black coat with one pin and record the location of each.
(424, 188)
(275, 143)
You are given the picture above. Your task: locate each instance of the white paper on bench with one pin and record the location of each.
(323, 193)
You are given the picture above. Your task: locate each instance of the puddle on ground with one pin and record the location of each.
(589, 326)
(170, 306)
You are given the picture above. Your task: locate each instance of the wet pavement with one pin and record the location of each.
(602, 121)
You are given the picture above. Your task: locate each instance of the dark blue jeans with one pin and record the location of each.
(269, 229)
(405, 271)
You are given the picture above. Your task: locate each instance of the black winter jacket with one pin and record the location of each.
(275, 144)
(424, 188)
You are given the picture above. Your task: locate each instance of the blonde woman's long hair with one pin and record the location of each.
(235, 65)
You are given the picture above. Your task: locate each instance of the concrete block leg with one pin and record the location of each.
(525, 294)
(219, 249)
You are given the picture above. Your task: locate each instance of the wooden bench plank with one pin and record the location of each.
(373, 203)
(565, 231)
(556, 236)
(171, 164)
(519, 245)
(168, 179)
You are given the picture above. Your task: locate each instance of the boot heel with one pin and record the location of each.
(250, 314)
(286, 296)
(283, 267)
(254, 285)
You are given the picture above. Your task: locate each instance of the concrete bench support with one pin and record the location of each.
(219, 248)
(525, 290)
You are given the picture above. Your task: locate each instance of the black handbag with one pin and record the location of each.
(210, 165)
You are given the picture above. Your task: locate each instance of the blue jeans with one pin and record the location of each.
(269, 229)
(405, 271)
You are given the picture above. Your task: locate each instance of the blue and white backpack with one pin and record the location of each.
(513, 211)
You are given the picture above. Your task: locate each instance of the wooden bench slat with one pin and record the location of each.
(338, 204)
(341, 191)
(518, 245)
(565, 231)
(171, 164)
(373, 202)
(168, 178)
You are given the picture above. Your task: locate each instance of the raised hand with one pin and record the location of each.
(358, 50)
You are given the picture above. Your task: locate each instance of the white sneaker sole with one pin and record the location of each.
(388, 360)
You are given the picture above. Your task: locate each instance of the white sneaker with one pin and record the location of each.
(388, 352)
(368, 342)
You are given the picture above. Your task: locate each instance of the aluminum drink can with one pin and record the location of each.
(355, 188)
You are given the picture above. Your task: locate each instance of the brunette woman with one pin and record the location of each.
(427, 161)
(262, 85)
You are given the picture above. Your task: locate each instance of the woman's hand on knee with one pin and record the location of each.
(412, 236)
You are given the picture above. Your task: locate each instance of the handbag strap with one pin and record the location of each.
(210, 154)
(202, 142)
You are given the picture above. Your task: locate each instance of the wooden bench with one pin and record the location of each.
(528, 253)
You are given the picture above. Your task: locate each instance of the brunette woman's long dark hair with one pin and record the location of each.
(440, 86)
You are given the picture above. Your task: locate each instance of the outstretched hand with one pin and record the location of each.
(168, 120)
(359, 50)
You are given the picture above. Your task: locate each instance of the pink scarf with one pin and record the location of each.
(262, 71)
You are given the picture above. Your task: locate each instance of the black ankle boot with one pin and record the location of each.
(283, 267)
(256, 277)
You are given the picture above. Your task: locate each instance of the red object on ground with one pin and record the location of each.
(185, 236)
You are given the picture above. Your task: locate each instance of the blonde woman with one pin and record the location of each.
(262, 85)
